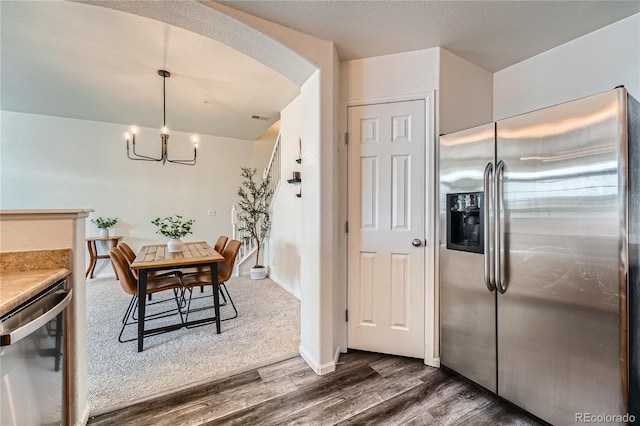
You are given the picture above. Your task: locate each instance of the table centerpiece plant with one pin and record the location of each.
(174, 228)
(104, 224)
(254, 217)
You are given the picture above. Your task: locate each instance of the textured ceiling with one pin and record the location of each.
(98, 60)
(492, 34)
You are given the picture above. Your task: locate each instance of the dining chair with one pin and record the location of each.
(219, 247)
(130, 256)
(221, 242)
(225, 270)
(129, 284)
(128, 253)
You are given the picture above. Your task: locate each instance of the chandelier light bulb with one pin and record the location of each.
(134, 130)
(127, 136)
(165, 131)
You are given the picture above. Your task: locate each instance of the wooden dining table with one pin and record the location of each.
(156, 257)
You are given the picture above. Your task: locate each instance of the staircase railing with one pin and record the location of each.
(273, 170)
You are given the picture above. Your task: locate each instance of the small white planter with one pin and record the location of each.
(258, 273)
(175, 245)
(104, 232)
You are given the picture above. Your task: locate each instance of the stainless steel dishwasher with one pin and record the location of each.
(31, 351)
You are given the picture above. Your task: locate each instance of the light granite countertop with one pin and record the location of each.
(18, 287)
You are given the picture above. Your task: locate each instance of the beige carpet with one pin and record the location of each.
(267, 328)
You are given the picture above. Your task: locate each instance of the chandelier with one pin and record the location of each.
(164, 135)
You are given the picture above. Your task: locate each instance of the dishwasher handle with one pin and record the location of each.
(60, 300)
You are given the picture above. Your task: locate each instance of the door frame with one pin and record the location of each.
(431, 337)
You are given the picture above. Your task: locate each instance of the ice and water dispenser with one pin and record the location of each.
(464, 222)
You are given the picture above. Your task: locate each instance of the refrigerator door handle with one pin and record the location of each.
(498, 200)
(489, 272)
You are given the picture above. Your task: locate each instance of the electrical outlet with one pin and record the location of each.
(211, 212)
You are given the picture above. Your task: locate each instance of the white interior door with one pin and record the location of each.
(386, 211)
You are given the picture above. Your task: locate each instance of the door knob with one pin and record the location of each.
(416, 242)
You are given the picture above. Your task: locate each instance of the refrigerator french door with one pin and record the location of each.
(534, 282)
(467, 303)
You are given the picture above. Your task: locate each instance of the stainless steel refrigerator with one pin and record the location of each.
(538, 259)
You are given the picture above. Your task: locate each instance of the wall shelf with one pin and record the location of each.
(297, 180)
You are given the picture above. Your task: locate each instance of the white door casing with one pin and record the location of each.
(386, 211)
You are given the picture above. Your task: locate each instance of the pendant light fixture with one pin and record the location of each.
(164, 135)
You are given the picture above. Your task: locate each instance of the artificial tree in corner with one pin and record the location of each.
(254, 217)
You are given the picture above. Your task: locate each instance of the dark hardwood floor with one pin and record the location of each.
(366, 388)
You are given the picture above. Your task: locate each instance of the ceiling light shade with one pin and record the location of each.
(164, 135)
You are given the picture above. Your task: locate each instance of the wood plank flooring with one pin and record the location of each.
(366, 388)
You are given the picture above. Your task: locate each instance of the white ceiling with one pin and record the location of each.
(82, 61)
(492, 34)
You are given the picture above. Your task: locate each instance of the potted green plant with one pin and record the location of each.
(174, 228)
(104, 224)
(253, 216)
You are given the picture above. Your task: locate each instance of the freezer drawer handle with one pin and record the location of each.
(499, 194)
(20, 333)
(488, 265)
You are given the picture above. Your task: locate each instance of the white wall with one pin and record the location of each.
(53, 162)
(591, 64)
(390, 75)
(284, 243)
(323, 329)
(466, 93)
(464, 90)
(263, 147)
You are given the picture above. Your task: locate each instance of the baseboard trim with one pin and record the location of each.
(432, 362)
(284, 287)
(319, 369)
(82, 421)
(336, 357)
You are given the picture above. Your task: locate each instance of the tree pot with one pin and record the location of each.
(258, 273)
(175, 245)
(104, 232)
